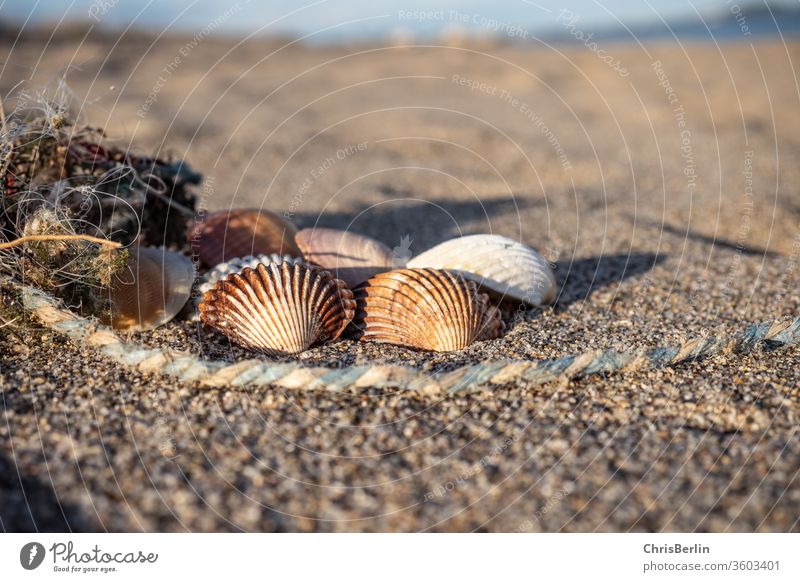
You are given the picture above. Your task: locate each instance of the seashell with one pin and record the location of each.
(222, 270)
(280, 308)
(497, 263)
(151, 291)
(429, 309)
(351, 257)
(227, 234)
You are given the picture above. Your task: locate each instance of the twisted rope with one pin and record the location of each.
(186, 367)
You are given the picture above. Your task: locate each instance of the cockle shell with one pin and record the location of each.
(352, 257)
(227, 234)
(280, 308)
(222, 270)
(429, 309)
(152, 289)
(497, 263)
(238, 265)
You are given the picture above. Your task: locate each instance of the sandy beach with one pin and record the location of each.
(666, 198)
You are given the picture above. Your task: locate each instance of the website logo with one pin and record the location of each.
(31, 555)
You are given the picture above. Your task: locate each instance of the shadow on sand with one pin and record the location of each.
(431, 221)
(427, 222)
(579, 278)
(27, 504)
(714, 241)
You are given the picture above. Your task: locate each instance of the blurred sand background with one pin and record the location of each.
(665, 220)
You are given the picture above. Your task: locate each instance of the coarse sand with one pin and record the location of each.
(668, 214)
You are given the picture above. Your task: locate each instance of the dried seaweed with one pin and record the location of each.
(65, 183)
(46, 156)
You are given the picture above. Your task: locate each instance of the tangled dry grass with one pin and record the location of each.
(72, 201)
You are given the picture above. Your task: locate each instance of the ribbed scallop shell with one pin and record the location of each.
(351, 257)
(236, 265)
(497, 263)
(152, 289)
(429, 309)
(228, 234)
(281, 308)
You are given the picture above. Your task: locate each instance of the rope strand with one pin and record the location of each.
(186, 367)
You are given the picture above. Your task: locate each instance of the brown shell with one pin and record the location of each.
(429, 309)
(281, 308)
(152, 289)
(351, 257)
(228, 234)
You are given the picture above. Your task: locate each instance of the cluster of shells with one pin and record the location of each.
(276, 290)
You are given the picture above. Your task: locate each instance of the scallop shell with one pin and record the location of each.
(222, 270)
(284, 307)
(152, 290)
(352, 257)
(497, 263)
(429, 309)
(227, 234)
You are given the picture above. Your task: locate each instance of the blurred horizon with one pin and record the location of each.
(338, 21)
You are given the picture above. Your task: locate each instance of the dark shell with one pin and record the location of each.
(228, 234)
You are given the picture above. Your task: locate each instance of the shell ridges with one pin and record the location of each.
(279, 308)
(428, 309)
(352, 257)
(497, 263)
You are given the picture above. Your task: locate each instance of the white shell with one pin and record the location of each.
(497, 263)
(280, 308)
